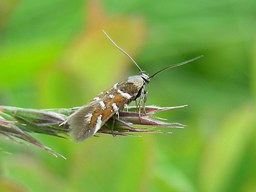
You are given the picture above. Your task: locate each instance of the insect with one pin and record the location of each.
(87, 120)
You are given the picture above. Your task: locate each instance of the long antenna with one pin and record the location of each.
(122, 51)
(176, 65)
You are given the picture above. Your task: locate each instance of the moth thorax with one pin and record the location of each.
(136, 80)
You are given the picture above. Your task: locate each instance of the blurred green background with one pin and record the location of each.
(53, 54)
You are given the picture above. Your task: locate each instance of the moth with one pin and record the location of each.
(87, 120)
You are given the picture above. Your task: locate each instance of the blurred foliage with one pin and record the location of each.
(53, 54)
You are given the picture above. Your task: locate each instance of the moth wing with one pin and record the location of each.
(87, 120)
(79, 122)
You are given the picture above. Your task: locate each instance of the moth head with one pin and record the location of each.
(145, 77)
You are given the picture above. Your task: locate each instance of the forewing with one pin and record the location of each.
(87, 120)
(80, 122)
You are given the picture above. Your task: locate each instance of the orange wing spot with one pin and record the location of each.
(107, 100)
(107, 113)
(95, 115)
(120, 101)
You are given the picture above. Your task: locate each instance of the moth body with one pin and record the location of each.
(87, 120)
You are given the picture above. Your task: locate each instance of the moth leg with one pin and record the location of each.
(117, 113)
(112, 126)
(109, 127)
(136, 103)
(144, 99)
(139, 105)
(126, 107)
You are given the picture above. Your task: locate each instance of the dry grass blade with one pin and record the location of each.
(19, 123)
